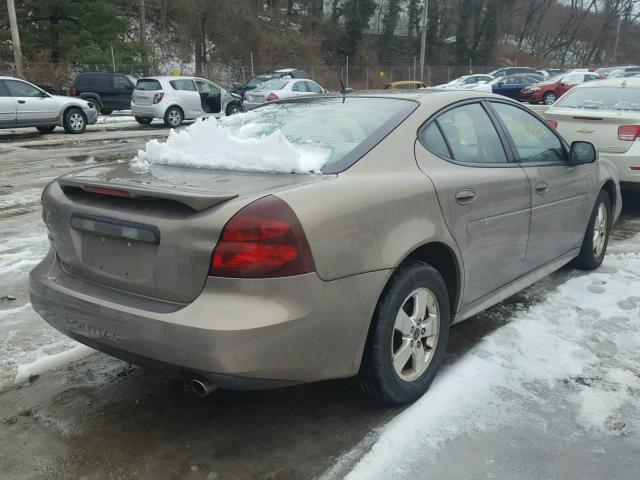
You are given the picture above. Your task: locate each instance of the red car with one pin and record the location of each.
(550, 90)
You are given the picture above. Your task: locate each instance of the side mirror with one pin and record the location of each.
(582, 153)
(500, 84)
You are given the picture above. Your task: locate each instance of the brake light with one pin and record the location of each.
(263, 240)
(74, 92)
(272, 96)
(628, 132)
(157, 97)
(553, 123)
(111, 192)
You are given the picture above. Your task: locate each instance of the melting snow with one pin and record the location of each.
(216, 144)
(577, 347)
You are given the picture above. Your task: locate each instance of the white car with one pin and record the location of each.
(175, 99)
(466, 81)
(607, 114)
(22, 104)
(280, 88)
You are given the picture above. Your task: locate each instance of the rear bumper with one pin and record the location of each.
(239, 333)
(148, 111)
(624, 163)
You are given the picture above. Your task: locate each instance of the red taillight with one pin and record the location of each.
(74, 92)
(264, 239)
(157, 97)
(553, 123)
(272, 97)
(628, 132)
(111, 192)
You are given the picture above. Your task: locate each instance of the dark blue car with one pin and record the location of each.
(511, 85)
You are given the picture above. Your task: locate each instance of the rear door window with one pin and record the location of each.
(471, 135)
(300, 87)
(534, 140)
(184, 85)
(148, 84)
(121, 83)
(3, 89)
(313, 87)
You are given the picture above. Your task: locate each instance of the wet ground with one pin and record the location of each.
(101, 418)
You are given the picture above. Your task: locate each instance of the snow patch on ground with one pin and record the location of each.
(576, 344)
(51, 362)
(215, 144)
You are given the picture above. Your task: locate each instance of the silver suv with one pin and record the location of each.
(175, 99)
(22, 104)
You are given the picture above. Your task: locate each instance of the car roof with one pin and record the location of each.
(613, 82)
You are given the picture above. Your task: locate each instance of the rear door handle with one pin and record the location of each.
(21, 101)
(465, 195)
(542, 187)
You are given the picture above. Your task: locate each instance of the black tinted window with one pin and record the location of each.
(184, 84)
(3, 90)
(432, 139)
(534, 140)
(471, 135)
(148, 84)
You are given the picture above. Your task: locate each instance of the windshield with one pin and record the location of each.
(274, 85)
(350, 126)
(602, 98)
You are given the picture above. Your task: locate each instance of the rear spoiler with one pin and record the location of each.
(196, 200)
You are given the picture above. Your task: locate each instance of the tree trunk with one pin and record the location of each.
(15, 38)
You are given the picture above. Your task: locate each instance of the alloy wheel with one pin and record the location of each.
(76, 121)
(600, 230)
(415, 334)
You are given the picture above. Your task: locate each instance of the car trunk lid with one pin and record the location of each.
(599, 127)
(151, 233)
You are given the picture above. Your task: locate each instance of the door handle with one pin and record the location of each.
(465, 195)
(542, 187)
(21, 101)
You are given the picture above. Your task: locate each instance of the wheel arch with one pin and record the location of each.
(443, 258)
(609, 186)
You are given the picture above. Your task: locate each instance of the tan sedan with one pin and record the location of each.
(431, 207)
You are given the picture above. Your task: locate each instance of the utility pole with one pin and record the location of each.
(423, 42)
(142, 36)
(15, 38)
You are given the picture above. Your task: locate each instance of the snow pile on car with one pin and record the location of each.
(215, 144)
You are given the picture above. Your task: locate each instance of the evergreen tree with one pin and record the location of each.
(357, 14)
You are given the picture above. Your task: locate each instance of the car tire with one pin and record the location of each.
(596, 239)
(48, 129)
(75, 121)
(173, 117)
(233, 109)
(144, 120)
(397, 331)
(549, 98)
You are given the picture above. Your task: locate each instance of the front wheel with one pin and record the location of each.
(75, 121)
(48, 129)
(234, 108)
(408, 336)
(173, 117)
(143, 120)
(549, 98)
(596, 239)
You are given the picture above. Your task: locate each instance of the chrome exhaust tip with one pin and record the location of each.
(202, 387)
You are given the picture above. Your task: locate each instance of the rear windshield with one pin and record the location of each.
(259, 80)
(601, 98)
(274, 85)
(148, 84)
(350, 126)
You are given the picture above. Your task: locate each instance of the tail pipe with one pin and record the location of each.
(202, 387)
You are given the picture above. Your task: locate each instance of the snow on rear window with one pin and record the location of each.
(293, 137)
(148, 84)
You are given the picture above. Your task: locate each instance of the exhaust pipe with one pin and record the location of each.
(202, 387)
